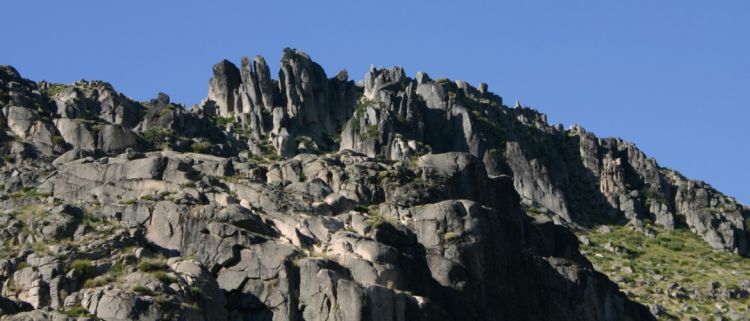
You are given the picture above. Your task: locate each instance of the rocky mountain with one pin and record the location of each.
(315, 198)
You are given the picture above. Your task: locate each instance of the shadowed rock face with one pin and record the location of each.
(315, 198)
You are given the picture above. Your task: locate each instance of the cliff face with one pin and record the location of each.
(309, 198)
(570, 175)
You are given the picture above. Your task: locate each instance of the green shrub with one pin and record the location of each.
(91, 220)
(117, 269)
(674, 245)
(157, 135)
(451, 236)
(98, 281)
(55, 89)
(371, 132)
(375, 221)
(57, 140)
(362, 208)
(166, 110)
(78, 311)
(82, 265)
(533, 210)
(201, 147)
(161, 299)
(222, 121)
(28, 192)
(164, 277)
(141, 290)
(195, 292)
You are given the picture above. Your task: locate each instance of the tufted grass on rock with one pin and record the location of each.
(78, 311)
(82, 265)
(140, 289)
(98, 281)
(28, 192)
(164, 277)
(449, 236)
(201, 147)
(151, 266)
(362, 208)
(195, 292)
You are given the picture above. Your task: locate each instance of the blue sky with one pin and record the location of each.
(672, 76)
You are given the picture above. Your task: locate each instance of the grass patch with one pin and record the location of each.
(140, 289)
(201, 147)
(376, 220)
(672, 257)
(57, 140)
(157, 135)
(371, 132)
(78, 311)
(450, 236)
(222, 121)
(82, 265)
(55, 88)
(28, 192)
(362, 208)
(151, 266)
(128, 202)
(117, 269)
(90, 220)
(195, 292)
(98, 281)
(164, 277)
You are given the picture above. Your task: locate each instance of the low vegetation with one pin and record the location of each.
(202, 147)
(157, 135)
(151, 266)
(673, 269)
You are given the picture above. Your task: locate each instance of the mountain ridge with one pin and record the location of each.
(342, 188)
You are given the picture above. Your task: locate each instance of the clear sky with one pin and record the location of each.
(673, 76)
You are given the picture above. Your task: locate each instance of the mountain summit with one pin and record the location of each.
(315, 198)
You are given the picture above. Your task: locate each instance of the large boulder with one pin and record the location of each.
(115, 139)
(76, 133)
(222, 89)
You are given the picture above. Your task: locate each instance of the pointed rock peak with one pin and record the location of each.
(223, 85)
(379, 79)
(395, 73)
(162, 99)
(483, 88)
(300, 60)
(226, 68)
(422, 78)
(7, 72)
(260, 61)
(518, 104)
(291, 53)
(578, 129)
(343, 75)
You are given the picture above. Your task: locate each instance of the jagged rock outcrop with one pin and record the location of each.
(316, 198)
(223, 88)
(429, 253)
(301, 111)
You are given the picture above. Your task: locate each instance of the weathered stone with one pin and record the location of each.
(115, 139)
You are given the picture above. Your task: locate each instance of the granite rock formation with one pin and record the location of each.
(317, 198)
